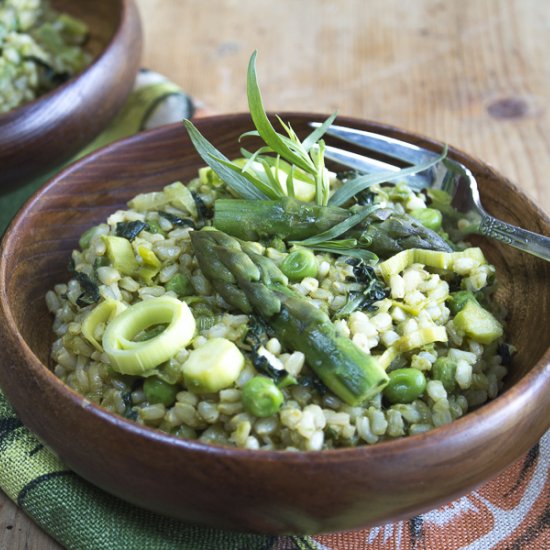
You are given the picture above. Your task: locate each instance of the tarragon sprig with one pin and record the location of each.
(256, 179)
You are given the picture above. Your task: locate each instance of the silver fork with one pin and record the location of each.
(447, 175)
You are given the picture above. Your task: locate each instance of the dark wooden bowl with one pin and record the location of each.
(265, 491)
(44, 133)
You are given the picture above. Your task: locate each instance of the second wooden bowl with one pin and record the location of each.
(42, 134)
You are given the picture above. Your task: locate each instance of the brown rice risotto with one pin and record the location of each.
(456, 373)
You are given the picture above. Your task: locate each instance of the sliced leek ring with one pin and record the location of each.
(139, 358)
(420, 337)
(103, 313)
(431, 258)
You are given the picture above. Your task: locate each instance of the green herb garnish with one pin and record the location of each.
(258, 177)
(130, 230)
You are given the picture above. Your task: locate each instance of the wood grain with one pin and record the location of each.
(473, 73)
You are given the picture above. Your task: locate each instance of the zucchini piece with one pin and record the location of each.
(151, 264)
(121, 254)
(457, 300)
(181, 197)
(477, 323)
(212, 367)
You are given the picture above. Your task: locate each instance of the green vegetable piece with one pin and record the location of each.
(130, 230)
(283, 218)
(150, 332)
(209, 177)
(299, 264)
(213, 367)
(73, 30)
(87, 236)
(457, 300)
(128, 356)
(405, 385)
(181, 197)
(431, 258)
(121, 254)
(180, 284)
(444, 370)
(159, 391)
(428, 217)
(261, 397)
(154, 227)
(421, 337)
(477, 323)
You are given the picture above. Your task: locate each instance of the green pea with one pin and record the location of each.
(405, 385)
(400, 192)
(261, 397)
(159, 391)
(444, 369)
(299, 264)
(428, 217)
(180, 284)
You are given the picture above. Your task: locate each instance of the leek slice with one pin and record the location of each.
(139, 358)
(419, 338)
(121, 254)
(431, 258)
(103, 313)
(151, 264)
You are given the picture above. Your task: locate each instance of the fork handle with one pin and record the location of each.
(530, 242)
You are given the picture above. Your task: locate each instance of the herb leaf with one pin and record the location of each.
(339, 228)
(218, 162)
(280, 144)
(176, 220)
(356, 185)
(318, 133)
(130, 230)
(374, 291)
(90, 290)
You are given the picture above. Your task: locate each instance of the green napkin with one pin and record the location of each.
(74, 512)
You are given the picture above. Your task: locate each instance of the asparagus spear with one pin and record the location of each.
(253, 283)
(383, 232)
(285, 218)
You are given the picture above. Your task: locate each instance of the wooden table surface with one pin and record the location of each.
(472, 73)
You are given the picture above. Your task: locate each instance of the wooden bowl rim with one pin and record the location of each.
(22, 111)
(489, 414)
